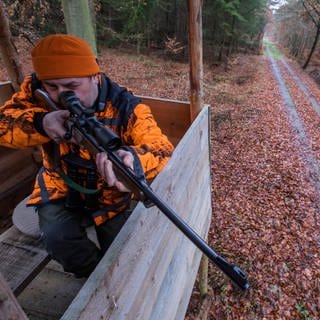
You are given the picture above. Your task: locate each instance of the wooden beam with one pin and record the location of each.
(196, 93)
(9, 306)
(195, 56)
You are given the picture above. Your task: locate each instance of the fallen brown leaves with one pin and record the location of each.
(266, 214)
(265, 211)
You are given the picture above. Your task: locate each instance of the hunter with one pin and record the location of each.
(62, 63)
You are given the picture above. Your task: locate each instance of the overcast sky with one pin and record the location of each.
(280, 3)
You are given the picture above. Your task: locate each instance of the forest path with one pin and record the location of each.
(304, 139)
(265, 164)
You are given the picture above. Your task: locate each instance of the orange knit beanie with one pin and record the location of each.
(63, 56)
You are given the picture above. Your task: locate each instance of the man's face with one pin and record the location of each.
(85, 88)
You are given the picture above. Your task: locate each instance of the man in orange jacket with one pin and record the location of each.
(62, 63)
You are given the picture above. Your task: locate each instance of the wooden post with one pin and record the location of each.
(196, 95)
(8, 51)
(195, 56)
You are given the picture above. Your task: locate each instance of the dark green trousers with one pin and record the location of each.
(66, 240)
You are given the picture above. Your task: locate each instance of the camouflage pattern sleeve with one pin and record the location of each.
(17, 128)
(145, 137)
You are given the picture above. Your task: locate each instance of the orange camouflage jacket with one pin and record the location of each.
(123, 113)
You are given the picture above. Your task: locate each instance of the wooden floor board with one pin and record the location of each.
(22, 257)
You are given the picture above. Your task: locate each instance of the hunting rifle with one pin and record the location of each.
(83, 124)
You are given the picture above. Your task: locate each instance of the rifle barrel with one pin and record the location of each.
(237, 276)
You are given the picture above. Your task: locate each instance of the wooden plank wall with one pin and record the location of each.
(173, 117)
(150, 269)
(17, 168)
(6, 91)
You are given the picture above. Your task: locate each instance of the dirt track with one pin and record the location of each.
(304, 140)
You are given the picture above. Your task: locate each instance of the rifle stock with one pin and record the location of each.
(98, 138)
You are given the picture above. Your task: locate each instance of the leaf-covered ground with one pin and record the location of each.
(265, 198)
(266, 205)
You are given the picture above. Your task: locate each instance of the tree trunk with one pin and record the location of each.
(79, 21)
(303, 45)
(8, 51)
(313, 47)
(195, 56)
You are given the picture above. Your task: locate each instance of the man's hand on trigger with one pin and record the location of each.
(54, 124)
(106, 171)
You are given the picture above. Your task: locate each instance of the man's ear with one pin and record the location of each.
(95, 79)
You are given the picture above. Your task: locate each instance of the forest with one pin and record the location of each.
(229, 26)
(296, 26)
(151, 25)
